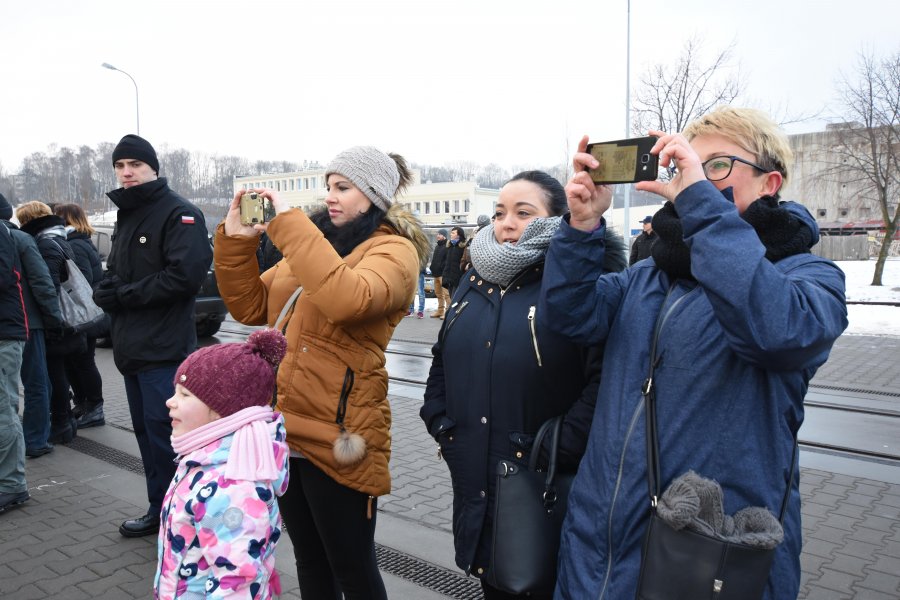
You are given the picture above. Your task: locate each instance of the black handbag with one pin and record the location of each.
(529, 508)
(688, 565)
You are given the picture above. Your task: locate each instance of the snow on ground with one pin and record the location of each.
(872, 319)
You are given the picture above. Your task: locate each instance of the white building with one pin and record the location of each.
(459, 202)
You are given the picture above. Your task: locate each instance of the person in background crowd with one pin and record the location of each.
(158, 261)
(220, 523)
(498, 362)
(420, 293)
(739, 315)
(49, 231)
(13, 333)
(81, 367)
(456, 244)
(42, 308)
(640, 247)
(356, 263)
(436, 270)
(465, 263)
(266, 254)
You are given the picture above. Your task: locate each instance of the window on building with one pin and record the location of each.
(418, 206)
(277, 186)
(822, 212)
(456, 206)
(437, 208)
(468, 207)
(447, 206)
(292, 185)
(843, 212)
(427, 208)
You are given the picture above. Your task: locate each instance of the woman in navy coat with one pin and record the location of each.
(499, 371)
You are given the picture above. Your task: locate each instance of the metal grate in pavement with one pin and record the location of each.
(117, 458)
(836, 388)
(405, 566)
(427, 575)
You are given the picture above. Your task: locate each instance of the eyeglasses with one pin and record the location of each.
(719, 167)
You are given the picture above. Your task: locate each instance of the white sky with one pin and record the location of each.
(512, 82)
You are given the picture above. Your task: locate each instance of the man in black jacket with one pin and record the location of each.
(13, 333)
(640, 248)
(159, 257)
(436, 268)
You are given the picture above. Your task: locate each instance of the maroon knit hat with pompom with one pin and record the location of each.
(232, 377)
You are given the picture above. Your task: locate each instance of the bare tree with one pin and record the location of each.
(669, 96)
(868, 145)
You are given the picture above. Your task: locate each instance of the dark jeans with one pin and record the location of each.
(334, 540)
(81, 369)
(60, 408)
(147, 393)
(36, 383)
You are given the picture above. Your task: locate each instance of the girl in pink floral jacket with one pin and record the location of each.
(220, 518)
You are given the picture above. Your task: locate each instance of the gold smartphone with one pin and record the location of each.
(255, 209)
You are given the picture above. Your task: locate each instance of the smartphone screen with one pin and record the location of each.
(624, 161)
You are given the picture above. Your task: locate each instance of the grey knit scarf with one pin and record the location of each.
(500, 263)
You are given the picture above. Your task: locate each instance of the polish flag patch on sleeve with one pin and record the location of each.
(187, 219)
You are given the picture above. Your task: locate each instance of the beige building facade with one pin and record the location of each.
(436, 204)
(833, 196)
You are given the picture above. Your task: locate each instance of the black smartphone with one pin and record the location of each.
(624, 161)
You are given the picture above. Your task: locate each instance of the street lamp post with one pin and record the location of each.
(137, 106)
(626, 232)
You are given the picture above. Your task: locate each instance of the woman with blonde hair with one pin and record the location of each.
(81, 367)
(49, 232)
(347, 277)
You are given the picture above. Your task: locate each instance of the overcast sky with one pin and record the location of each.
(512, 82)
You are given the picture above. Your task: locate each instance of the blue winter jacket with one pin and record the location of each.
(737, 349)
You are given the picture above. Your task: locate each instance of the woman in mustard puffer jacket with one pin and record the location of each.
(357, 261)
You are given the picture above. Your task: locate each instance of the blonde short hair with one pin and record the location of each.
(31, 211)
(750, 129)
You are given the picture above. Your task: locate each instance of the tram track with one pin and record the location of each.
(842, 421)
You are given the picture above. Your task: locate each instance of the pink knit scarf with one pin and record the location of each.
(251, 457)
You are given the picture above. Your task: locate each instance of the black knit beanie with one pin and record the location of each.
(136, 147)
(5, 209)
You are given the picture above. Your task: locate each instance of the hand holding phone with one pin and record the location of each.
(624, 161)
(255, 209)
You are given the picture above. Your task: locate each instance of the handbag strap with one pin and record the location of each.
(552, 426)
(284, 311)
(648, 390)
(287, 307)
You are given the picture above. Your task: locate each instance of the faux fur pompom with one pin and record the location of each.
(349, 448)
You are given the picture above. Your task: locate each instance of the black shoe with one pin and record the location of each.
(11, 499)
(93, 417)
(146, 525)
(63, 434)
(39, 451)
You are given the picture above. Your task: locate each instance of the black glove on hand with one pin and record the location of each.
(53, 335)
(106, 296)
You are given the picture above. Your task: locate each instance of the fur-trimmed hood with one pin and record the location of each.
(408, 225)
(615, 259)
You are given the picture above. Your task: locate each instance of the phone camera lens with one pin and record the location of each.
(645, 158)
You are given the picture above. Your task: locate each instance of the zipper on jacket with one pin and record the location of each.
(660, 321)
(455, 316)
(534, 340)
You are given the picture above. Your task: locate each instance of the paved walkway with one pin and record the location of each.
(64, 543)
